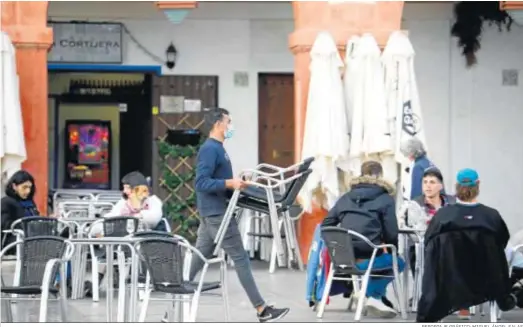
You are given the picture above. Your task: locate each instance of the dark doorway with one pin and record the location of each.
(131, 96)
(276, 119)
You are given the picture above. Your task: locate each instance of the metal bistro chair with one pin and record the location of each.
(144, 279)
(42, 257)
(267, 200)
(36, 226)
(111, 227)
(165, 262)
(343, 267)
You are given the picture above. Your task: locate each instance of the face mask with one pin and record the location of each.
(229, 132)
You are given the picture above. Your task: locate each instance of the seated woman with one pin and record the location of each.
(369, 209)
(142, 205)
(136, 203)
(17, 203)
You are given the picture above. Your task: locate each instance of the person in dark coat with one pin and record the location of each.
(369, 209)
(465, 262)
(17, 203)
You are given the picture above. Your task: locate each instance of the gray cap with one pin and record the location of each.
(137, 179)
(125, 179)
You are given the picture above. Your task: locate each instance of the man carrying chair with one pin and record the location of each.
(214, 181)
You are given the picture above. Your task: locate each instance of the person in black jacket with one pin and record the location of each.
(369, 209)
(465, 262)
(17, 203)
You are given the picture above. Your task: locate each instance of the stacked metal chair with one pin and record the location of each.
(271, 194)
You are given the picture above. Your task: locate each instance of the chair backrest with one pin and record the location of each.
(294, 188)
(152, 234)
(164, 260)
(39, 226)
(35, 253)
(112, 197)
(306, 164)
(341, 250)
(120, 226)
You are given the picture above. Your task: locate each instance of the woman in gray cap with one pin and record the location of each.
(138, 202)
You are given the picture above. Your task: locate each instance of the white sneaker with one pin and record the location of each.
(379, 309)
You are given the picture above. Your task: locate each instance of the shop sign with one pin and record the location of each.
(98, 43)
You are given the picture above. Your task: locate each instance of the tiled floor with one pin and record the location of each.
(283, 288)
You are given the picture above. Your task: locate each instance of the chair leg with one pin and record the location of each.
(273, 258)
(95, 279)
(121, 286)
(145, 304)
(7, 309)
(43, 304)
(399, 289)
(63, 293)
(326, 292)
(295, 244)
(493, 311)
(362, 297)
(224, 282)
(18, 265)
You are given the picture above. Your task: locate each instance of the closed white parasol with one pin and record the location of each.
(326, 133)
(403, 103)
(364, 81)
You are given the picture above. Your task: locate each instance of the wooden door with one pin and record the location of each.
(173, 167)
(276, 119)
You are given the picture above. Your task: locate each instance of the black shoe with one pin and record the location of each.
(271, 314)
(387, 302)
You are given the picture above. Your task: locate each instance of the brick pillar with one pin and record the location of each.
(342, 20)
(26, 25)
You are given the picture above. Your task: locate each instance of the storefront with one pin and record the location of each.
(227, 45)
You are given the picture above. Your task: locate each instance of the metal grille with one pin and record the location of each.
(205, 89)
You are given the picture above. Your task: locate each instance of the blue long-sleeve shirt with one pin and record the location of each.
(213, 168)
(420, 164)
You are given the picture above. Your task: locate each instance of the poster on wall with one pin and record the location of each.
(86, 43)
(192, 105)
(171, 104)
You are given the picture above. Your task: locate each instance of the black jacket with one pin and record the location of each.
(465, 262)
(372, 196)
(14, 208)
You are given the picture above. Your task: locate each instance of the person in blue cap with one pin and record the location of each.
(470, 223)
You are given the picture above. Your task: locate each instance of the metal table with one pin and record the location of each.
(125, 313)
(408, 234)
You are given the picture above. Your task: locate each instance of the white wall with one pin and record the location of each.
(470, 116)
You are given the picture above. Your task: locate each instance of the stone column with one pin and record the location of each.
(26, 25)
(342, 20)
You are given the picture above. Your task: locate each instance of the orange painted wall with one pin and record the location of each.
(342, 20)
(26, 24)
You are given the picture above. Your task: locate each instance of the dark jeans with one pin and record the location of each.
(233, 246)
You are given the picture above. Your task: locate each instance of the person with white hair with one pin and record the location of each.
(415, 151)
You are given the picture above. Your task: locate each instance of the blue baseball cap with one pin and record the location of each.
(467, 177)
